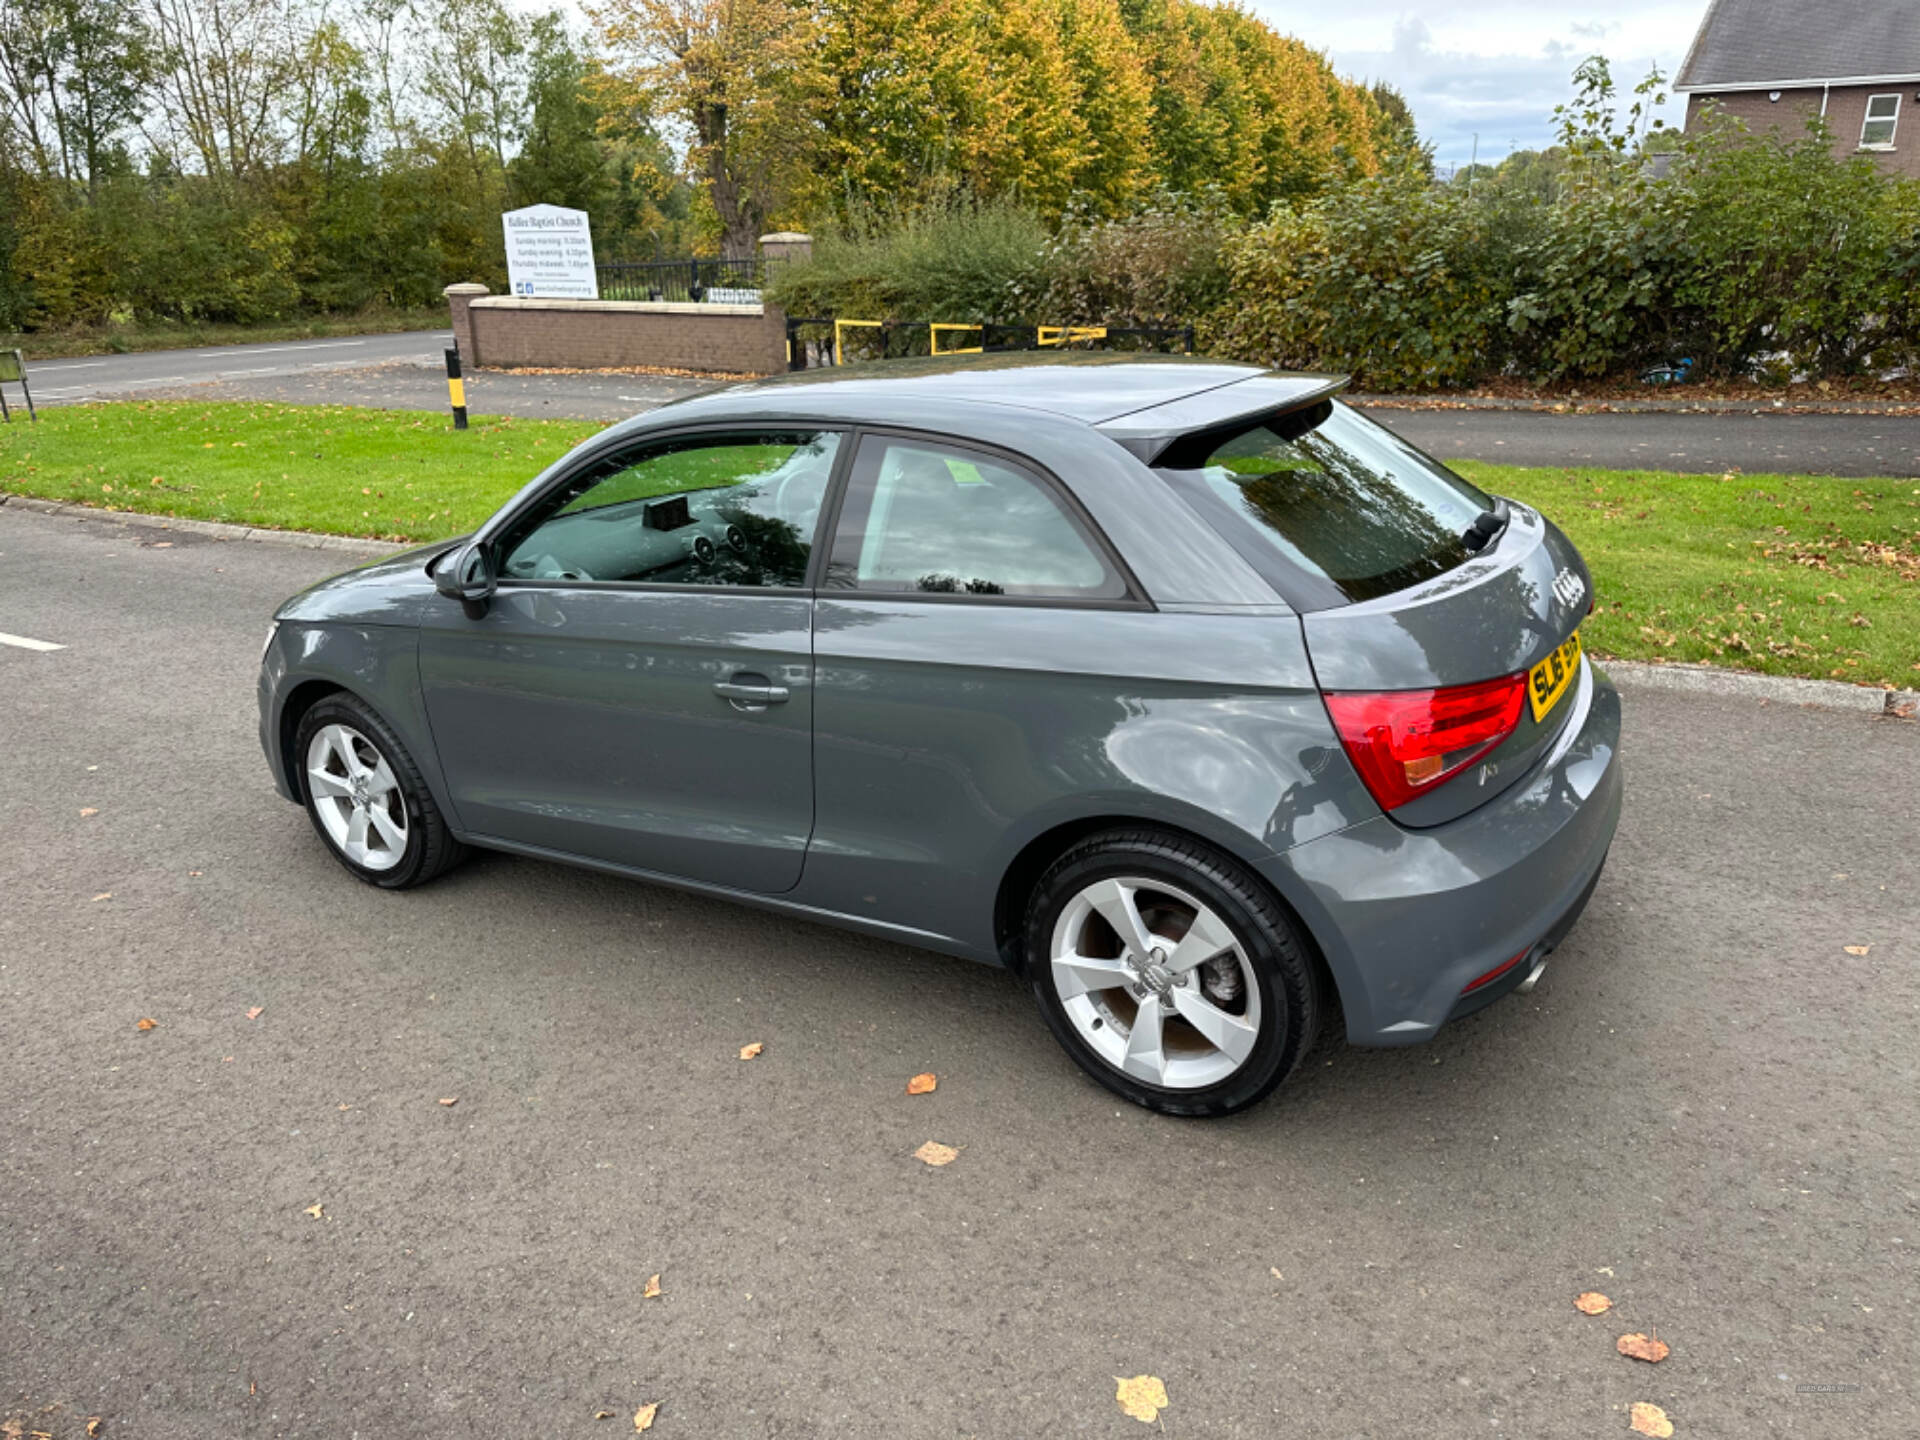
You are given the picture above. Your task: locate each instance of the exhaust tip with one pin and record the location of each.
(1525, 987)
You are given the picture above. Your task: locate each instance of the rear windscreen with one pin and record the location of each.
(1328, 506)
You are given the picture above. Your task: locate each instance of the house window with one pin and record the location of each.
(1883, 114)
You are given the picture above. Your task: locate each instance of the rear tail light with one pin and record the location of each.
(1405, 742)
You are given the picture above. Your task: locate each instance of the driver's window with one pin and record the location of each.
(706, 510)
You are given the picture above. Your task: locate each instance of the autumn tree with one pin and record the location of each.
(743, 78)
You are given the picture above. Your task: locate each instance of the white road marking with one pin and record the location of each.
(46, 365)
(275, 349)
(25, 644)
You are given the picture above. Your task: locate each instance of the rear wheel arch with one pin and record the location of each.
(1036, 857)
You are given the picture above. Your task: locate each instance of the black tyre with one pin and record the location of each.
(366, 798)
(1170, 973)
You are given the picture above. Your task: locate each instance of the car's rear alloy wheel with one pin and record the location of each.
(1170, 973)
(366, 797)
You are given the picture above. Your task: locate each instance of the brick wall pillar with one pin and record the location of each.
(787, 245)
(459, 298)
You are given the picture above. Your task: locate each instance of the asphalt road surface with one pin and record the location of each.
(1706, 1112)
(406, 372)
(1689, 443)
(64, 382)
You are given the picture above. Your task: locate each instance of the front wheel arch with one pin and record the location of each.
(293, 709)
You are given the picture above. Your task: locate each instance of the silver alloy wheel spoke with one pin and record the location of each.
(1146, 1055)
(395, 837)
(331, 784)
(1207, 937)
(1077, 974)
(356, 797)
(1115, 901)
(1229, 1034)
(1150, 1010)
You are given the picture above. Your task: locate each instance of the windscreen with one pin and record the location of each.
(1330, 507)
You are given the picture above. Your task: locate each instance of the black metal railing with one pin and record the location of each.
(718, 282)
(837, 340)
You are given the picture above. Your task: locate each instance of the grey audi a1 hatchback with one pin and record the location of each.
(1204, 703)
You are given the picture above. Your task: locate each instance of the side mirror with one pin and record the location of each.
(467, 576)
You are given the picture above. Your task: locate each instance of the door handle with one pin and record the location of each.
(751, 692)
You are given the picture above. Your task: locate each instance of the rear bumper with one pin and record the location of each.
(1407, 919)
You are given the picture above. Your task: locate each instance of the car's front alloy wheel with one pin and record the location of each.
(366, 797)
(1170, 973)
(356, 797)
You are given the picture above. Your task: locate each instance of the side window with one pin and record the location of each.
(1883, 117)
(927, 518)
(704, 510)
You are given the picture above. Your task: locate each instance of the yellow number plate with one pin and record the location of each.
(1549, 680)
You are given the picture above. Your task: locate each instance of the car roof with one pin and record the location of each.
(1117, 391)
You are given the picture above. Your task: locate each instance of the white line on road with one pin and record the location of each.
(25, 644)
(47, 365)
(275, 349)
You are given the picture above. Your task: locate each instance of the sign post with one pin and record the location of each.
(550, 253)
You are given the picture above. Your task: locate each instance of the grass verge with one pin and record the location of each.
(388, 474)
(1802, 575)
(166, 335)
(1786, 574)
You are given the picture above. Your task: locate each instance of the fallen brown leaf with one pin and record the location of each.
(90, 810)
(314, 1211)
(922, 1084)
(747, 1052)
(603, 1414)
(1856, 949)
(934, 1153)
(1650, 1420)
(643, 1417)
(652, 1292)
(145, 1024)
(1592, 1302)
(256, 1012)
(1143, 1397)
(95, 1425)
(449, 1099)
(1274, 1270)
(1642, 1347)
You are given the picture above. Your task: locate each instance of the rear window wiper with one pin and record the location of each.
(1486, 527)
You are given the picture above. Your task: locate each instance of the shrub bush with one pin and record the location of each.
(1396, 281)
(957, 259)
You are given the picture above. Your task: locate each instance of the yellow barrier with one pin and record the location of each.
(1067, 334)
(933, 340)
(839, 325)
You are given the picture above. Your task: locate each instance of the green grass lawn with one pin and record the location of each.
(390, 474)
(1789, 574)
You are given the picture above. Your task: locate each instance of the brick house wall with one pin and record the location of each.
(1846, 113)
(505, 332)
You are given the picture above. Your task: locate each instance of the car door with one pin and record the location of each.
(968, 636)
(640, 688)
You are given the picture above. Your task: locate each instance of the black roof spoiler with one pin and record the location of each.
(1223, 411)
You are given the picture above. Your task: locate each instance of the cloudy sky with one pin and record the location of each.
(1497, 67)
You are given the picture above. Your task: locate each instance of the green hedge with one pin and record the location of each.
(1749, 255)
